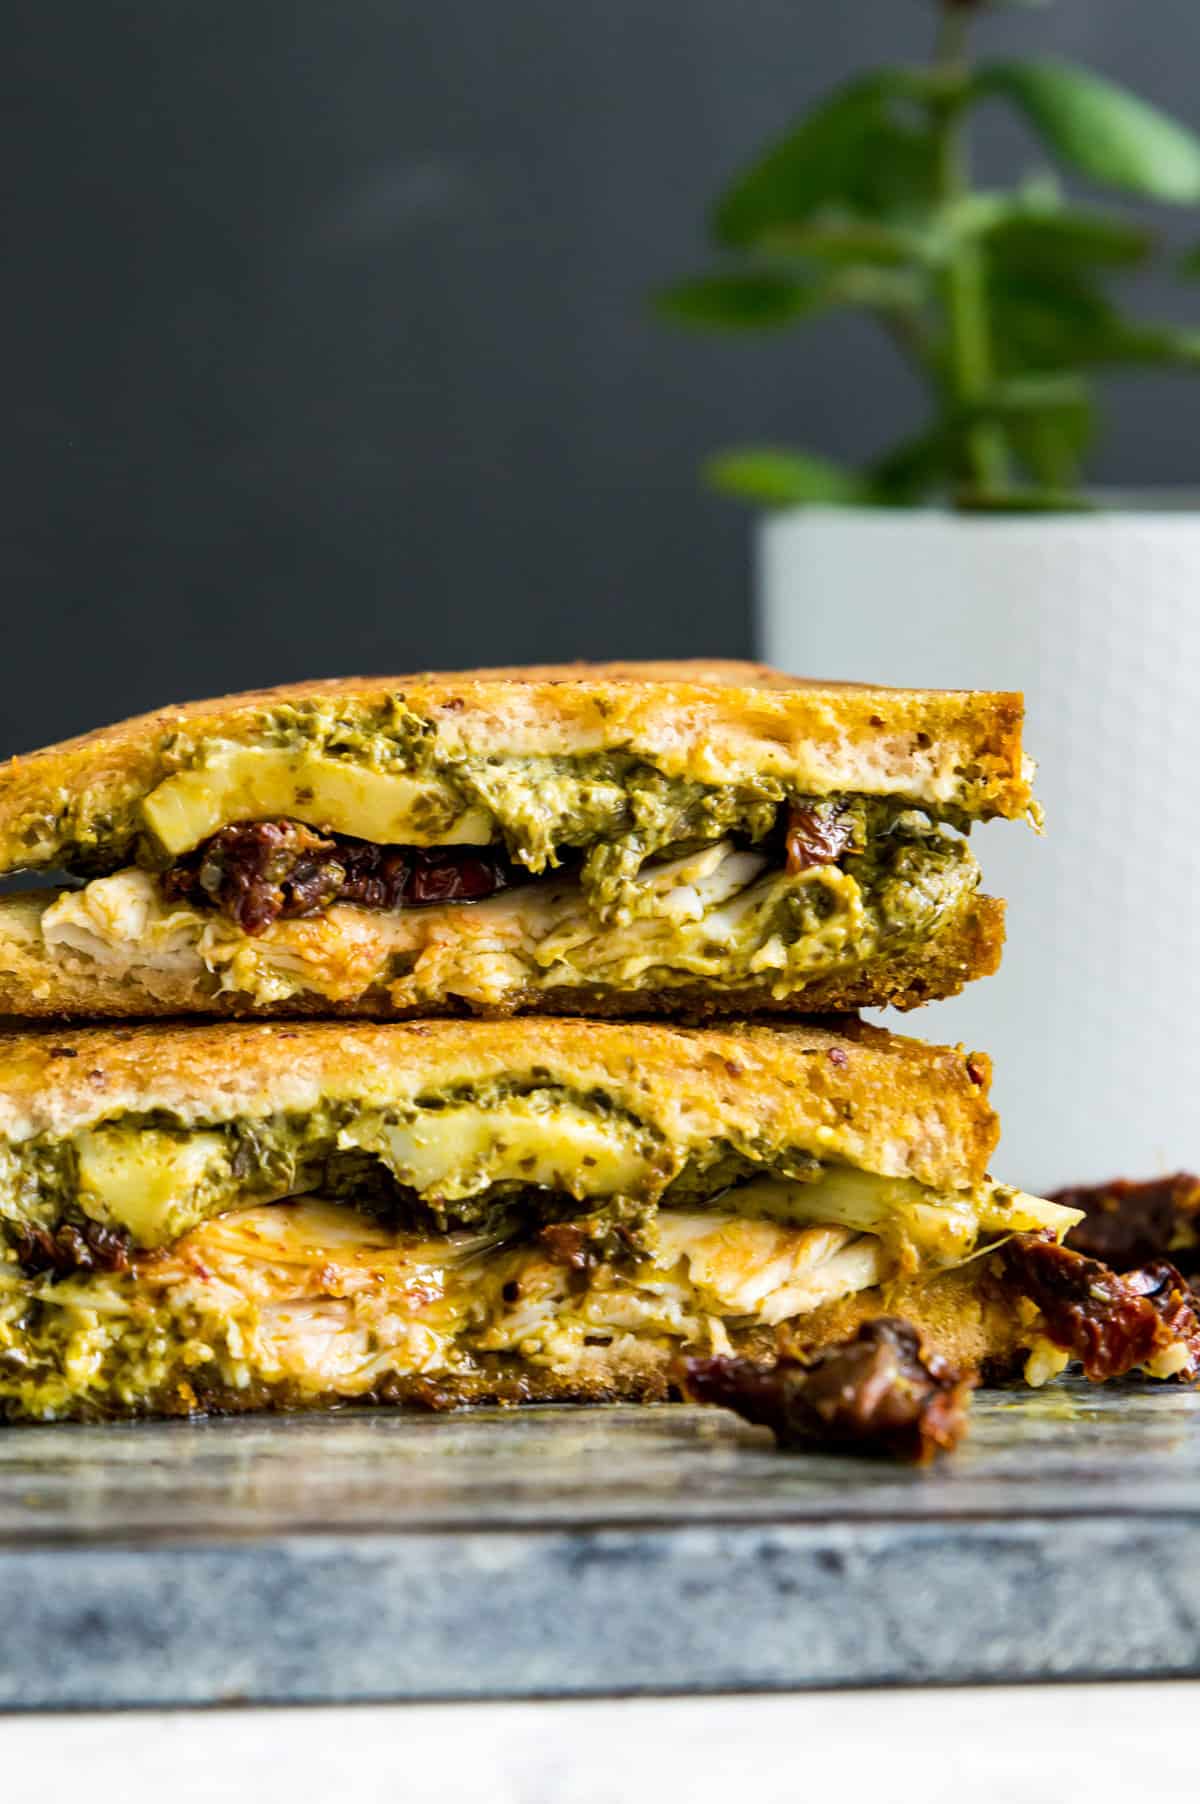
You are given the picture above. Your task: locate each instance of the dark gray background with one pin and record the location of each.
(327, 345)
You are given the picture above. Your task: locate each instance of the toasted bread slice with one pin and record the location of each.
(717, 724)
(859, 1095)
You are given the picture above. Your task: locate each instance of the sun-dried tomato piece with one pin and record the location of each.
(1112, 1323)
(874, 1393)
(566, 1244)
(262, 871)
(819, 833)
(449, 876)
(88, 1246)
(1127, 1224)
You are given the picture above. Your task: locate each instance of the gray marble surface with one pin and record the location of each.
(553, 1552)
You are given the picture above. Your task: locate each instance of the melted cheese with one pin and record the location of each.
(158, 1185)
(939, 1227)
(146, 1181)
(249, 782)
(458, 1152)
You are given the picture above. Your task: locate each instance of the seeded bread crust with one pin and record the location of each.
(716, 722)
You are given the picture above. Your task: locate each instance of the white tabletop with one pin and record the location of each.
(1035, 1745)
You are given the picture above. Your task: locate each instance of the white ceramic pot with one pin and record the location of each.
(1094, 1020)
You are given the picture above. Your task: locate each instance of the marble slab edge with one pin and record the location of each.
(573, 1612)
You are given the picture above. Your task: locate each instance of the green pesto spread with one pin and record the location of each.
(619, 810)
(358, 1155)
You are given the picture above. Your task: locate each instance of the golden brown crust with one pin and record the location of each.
(858, 1094)
(36, 983)
(718, 722)
(964, 1315)
(642, 1376)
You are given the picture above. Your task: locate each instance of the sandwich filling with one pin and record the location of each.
(515, 1224)
(627, 882)
(478, 1155)
(315, 1298)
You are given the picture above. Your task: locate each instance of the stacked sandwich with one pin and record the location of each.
(478, 1111)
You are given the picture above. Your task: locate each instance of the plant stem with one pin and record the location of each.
(950, 49)
(969, 376)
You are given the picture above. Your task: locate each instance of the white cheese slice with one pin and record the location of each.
(144, 1180)
(458, 1152)
(253, 782)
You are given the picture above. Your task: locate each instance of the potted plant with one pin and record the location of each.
(972, 555)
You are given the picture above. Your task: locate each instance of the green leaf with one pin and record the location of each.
(1052, 445)
(742, 301)
(1177, 347)
(822, 161)
(1023, 238)
(760, 299)
(895, 175)
(1189, 263)
(1101, 130)
(1058, 320)
(916, 467)
(843, 240)
(773, 477)
(1025, 407)
(1047, 319)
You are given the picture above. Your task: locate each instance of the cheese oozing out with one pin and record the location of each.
(930, 1226)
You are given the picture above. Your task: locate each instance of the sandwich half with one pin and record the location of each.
(226, 1217)
(600, 839)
